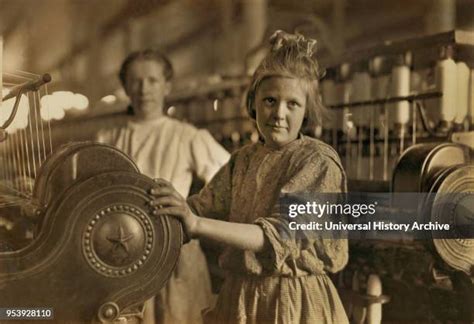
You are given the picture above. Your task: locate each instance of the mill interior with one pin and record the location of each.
(399, 93)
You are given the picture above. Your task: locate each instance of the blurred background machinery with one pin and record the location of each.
(401, 120)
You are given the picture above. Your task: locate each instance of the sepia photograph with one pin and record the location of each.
(237, 161)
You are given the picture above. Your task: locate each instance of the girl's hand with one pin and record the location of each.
(167, 201)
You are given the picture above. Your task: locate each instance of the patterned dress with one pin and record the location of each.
(169, 149)
(287, 281)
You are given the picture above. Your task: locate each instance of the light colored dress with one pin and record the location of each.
(287, 281)
(169, 149)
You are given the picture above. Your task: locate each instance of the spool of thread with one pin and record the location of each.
(374, 311)
(400, 86)
(462, 97)
(361, 91)
(446, 83)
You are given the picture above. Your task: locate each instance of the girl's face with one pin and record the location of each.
(280, 103)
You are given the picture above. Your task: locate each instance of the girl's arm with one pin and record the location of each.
(238, 235)
(168, 202)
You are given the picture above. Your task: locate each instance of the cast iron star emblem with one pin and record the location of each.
(121, 239)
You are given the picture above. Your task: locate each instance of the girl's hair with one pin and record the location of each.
(291, 55)
(148, 54)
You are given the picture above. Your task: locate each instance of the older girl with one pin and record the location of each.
(271, 277)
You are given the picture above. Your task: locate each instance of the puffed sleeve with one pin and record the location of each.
(295, 252)
(208, 156)
(214, 200)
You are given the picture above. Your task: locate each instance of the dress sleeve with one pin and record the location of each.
(208, 156)
(214, 200)
(295, 251)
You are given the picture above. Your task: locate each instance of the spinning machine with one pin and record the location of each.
(402, 120)
(95, 251)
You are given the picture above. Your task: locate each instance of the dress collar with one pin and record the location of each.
(298, 141)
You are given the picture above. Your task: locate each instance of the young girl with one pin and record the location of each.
(271, 278)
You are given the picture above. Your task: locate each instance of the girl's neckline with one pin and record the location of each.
(293, 144)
